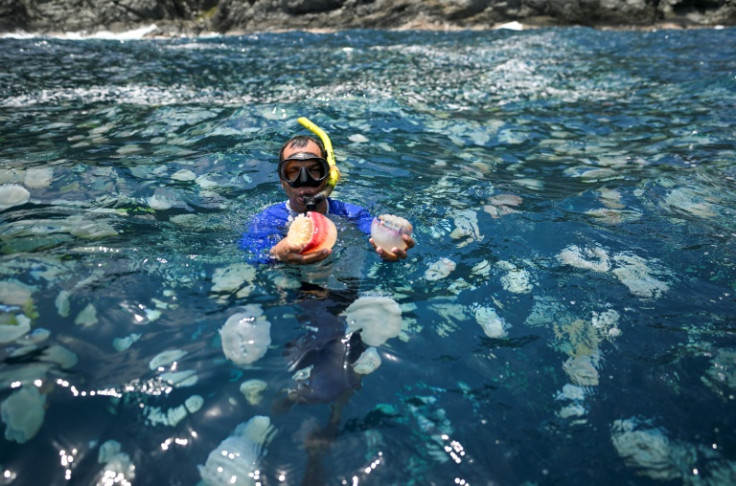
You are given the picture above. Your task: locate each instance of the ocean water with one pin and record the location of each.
(566, 317)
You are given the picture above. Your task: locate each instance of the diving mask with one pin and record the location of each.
(303, 169)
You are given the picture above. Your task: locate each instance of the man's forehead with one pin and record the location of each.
(310, 147)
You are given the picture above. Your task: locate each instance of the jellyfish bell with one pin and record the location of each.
(387, 231)
(246, 336)
(237, 457)
(378, 318)
(312, 232)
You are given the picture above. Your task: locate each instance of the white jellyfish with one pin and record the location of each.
(235, 460)
(252, 390)
(23, 413)
(13, 195)
(246, 336)
(493, 325)
(378, 319)
(368, 362)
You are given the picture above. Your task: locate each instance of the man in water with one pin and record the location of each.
(303, 170)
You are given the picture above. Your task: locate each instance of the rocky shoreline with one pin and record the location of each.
(197, 17)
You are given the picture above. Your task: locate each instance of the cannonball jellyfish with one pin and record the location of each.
(236, 459)
(13, 195)
(378, 319)
(23, 413)
(368, 362)
(313, 232)
(246, 336)
(252, 390)
(387, 230)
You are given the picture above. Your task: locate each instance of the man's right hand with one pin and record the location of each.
(289, 253)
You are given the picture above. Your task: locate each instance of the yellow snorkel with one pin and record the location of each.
(334, 175)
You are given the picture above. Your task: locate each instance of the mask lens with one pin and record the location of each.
(308, 172)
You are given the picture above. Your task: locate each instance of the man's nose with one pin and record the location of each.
(303, 178)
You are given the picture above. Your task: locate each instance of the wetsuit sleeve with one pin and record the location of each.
(264, 231)
(354, 213)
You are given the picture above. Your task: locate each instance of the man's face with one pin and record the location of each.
(296, 194)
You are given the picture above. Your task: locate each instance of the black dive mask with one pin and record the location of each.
(303, 169)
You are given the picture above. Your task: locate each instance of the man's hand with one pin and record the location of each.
(395, 253)
(287, 252)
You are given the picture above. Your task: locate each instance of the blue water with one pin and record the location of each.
(581, 182)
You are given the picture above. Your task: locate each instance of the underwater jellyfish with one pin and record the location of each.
(368, 362)
(13, 195)
(118, 468)
(633, 272)
(252, 390)
(235, 460)
(23, 413)
(493, 325)
(246, 336)
(439, 269)
(378, 319)
(595, 259)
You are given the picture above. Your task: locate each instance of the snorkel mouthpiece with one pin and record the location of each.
(311, 202)
(334, 174)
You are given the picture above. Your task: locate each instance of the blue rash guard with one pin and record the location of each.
(270, 225)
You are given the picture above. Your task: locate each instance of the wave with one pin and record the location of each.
(134, 34)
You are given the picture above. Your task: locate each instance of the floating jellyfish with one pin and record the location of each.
(466, 227)
(502, 204)
(235, 460)
(516, 280)
(234, 278)
(613, 216)
(123, 343)
(493, 325)
(165, 358)
(87, 317)
(368, 362)
(595, 259)
(62, 303)
(15, 293)
(13, 327)
(38, 177)
(648, 450)
(378, 319)
(581, 370)
(159, 203)
(246, 336)
(387, 230)
(358, 138)
(172, 416)
(83, 227)
(439, 269)
(688, 200)
(23, 413)
(633, 272)
(252, 390)
(607, 323)
(118, 467)
(184, 175)
(13, 195)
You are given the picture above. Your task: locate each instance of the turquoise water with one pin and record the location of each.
(567, 315)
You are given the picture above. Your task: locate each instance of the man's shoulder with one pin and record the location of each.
(342, 208)
(278, 210)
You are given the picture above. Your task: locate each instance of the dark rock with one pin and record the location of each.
(235, 16)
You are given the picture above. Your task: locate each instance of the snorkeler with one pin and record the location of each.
(307, 178)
